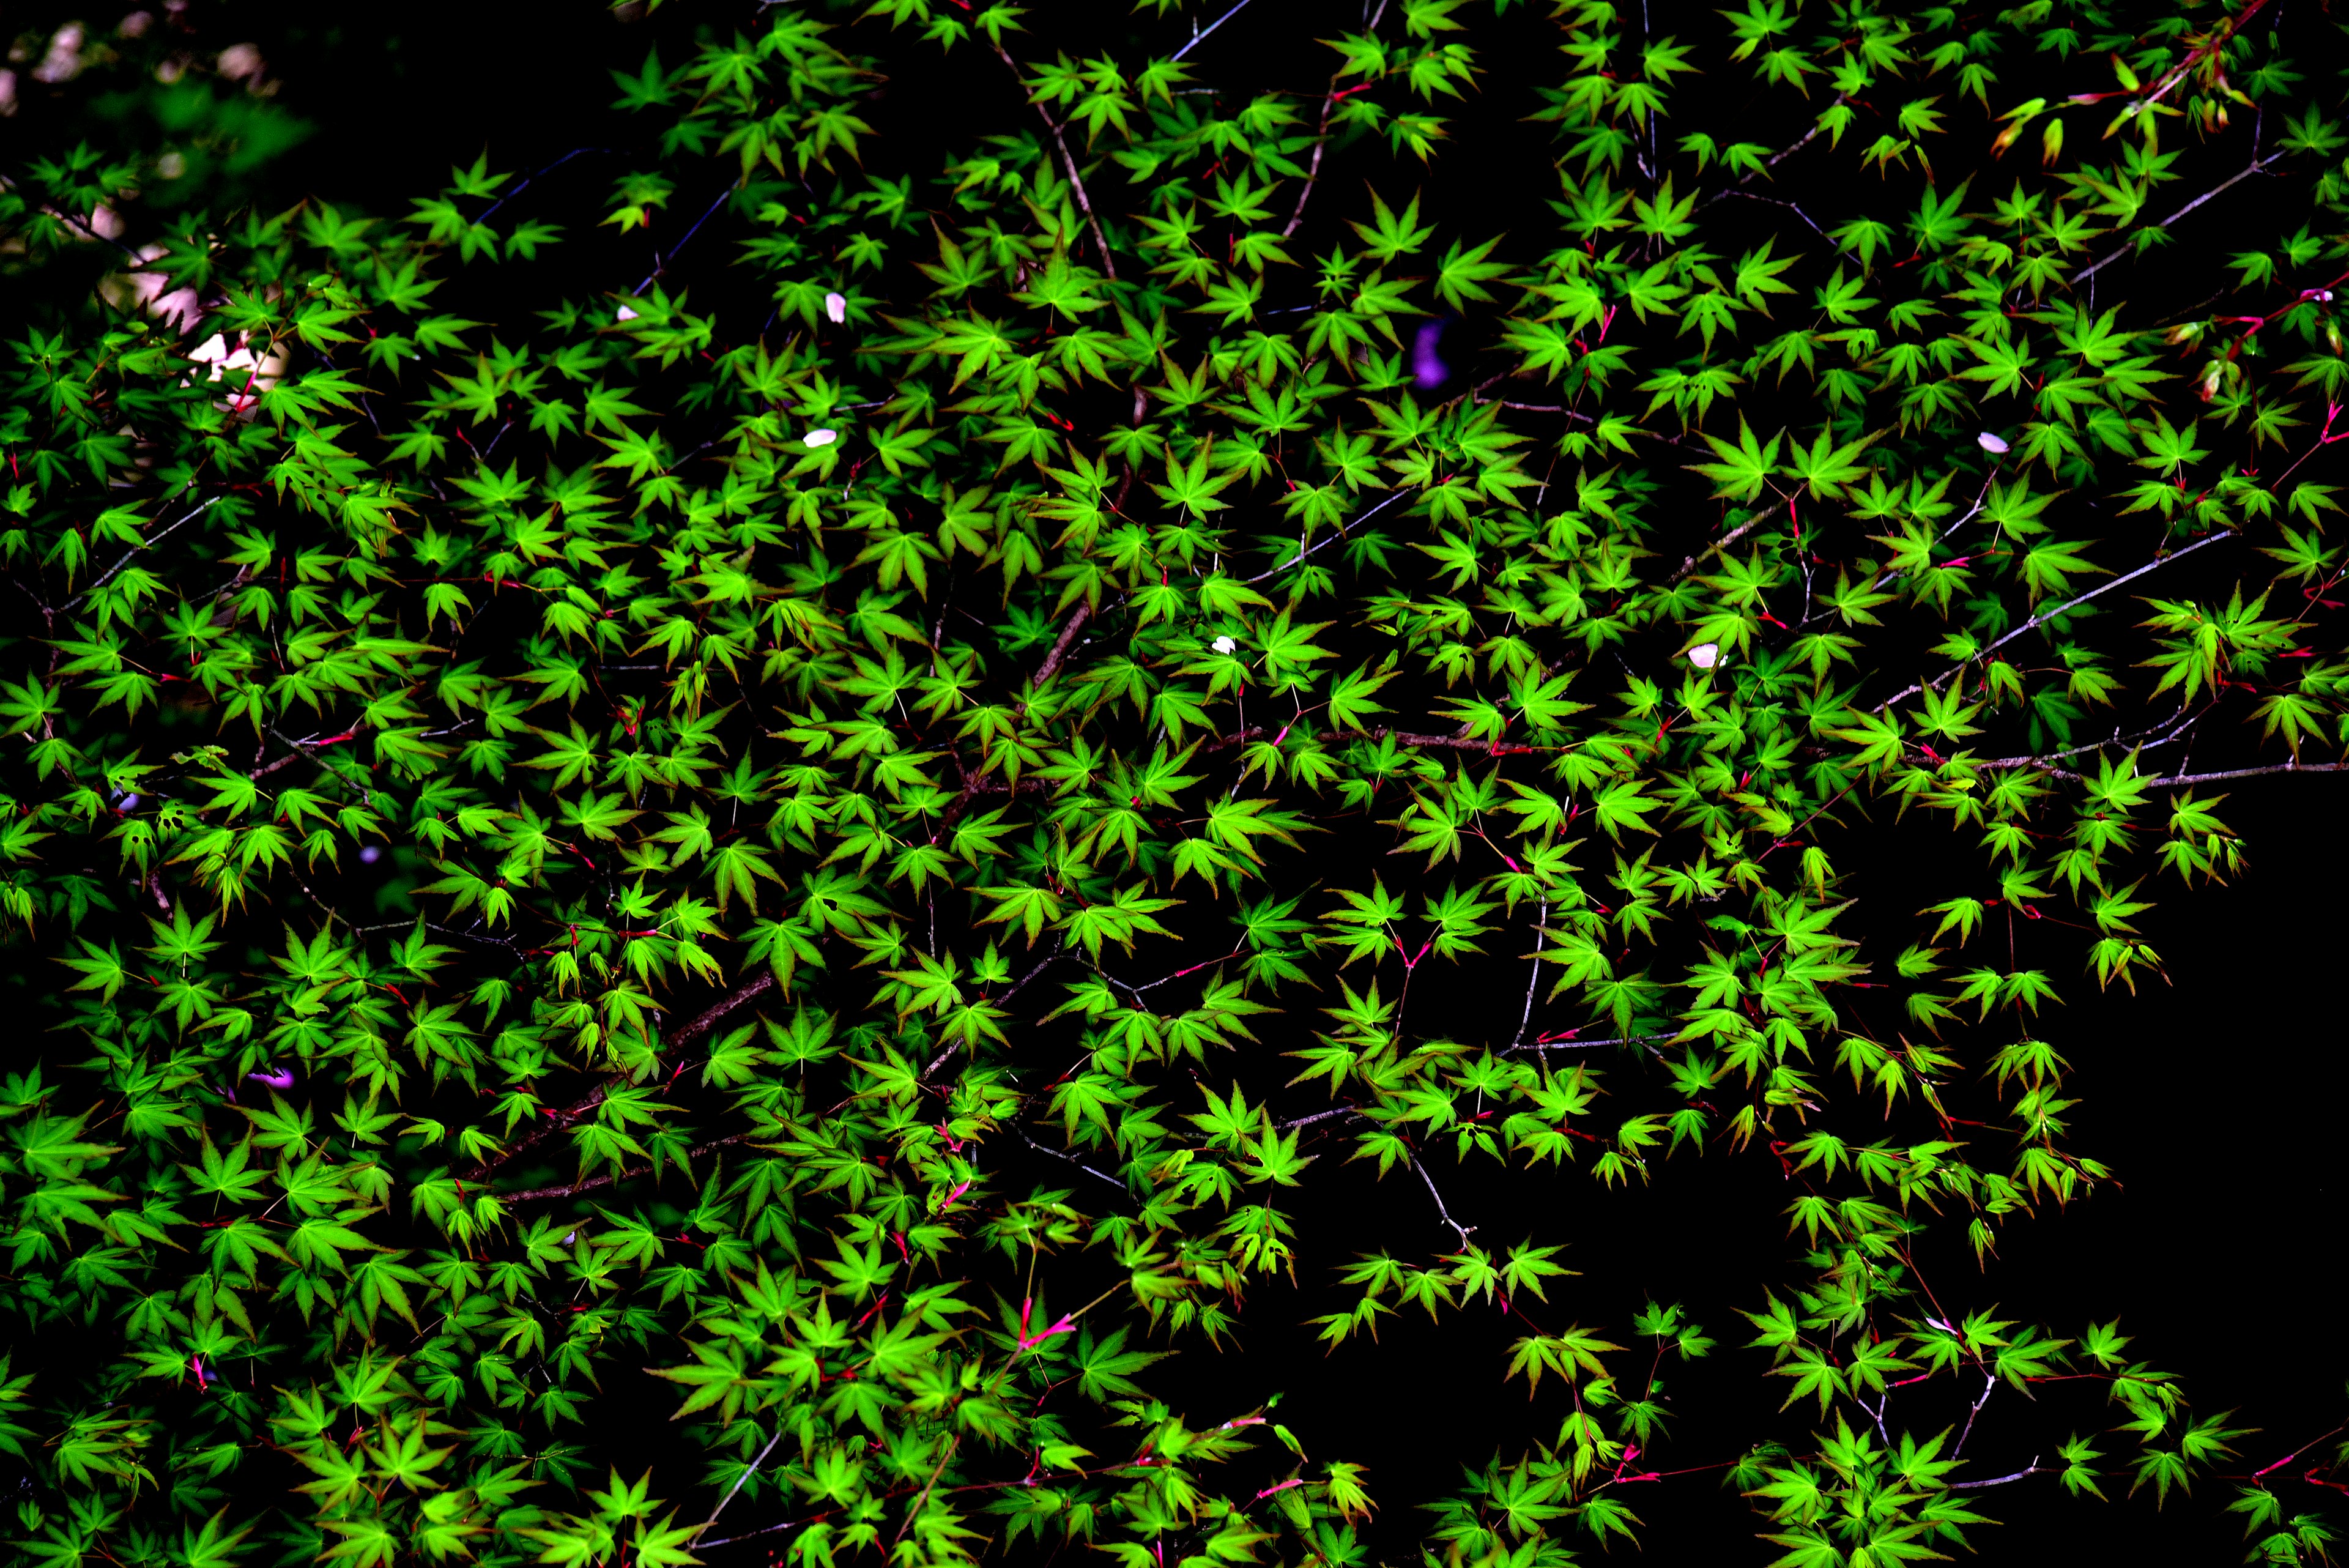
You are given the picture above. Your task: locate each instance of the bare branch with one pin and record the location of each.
(1201, 37)
(1989, 1383)
(1525, 1021)
(2048, 615)
(1075, 623)
(752, 1469)
(1072, 1159)
(1327, 542)
(2032, 1469)
(1728, 539)
(724, 1006)
(1778, 156)
(2098, 266)
(1462, 1231)
(1588, 1044)
(2292, 767)
(1085, 202)
(591, 1183)
(108, 575)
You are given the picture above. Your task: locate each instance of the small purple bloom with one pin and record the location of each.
(1427, 369)
(371, 855)
(281, 1079)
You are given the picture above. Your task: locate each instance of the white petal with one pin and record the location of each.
(836, 306)
(1224, 645)
(626, 314)
(1704, 655)
(821, 437)
(1990, 442)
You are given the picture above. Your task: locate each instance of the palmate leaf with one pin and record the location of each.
(1745, 467)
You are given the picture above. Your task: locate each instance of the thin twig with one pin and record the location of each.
(748, 1535)
(1589, 1044)
(1085, 202)
(2029, 1469)
(1790, 206)
(2048, 615)
(1199, 37)
(590, 1184)
(2096, 267)
(2291, 767)
(746, 1475)
(1332, 539)
(1728, 539)
(1075, 623)
(1072, 1159)
(1989, 1383)
(660, 263)
(711, 1016)
(1780, 157)
(1317, 1116)
(134, 550)
(1462, 1231)
(1533, 980)
(532, 177)
(941, 1059)
(562, 1119)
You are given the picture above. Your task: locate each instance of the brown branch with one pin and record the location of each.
(1726, 540)
(127, 555)
(1321, 131)
(1076, 623)
(1314, 167)
(1780, 157)
(1319, 1117)
(592, 1182)
(711, 1016)
(1084, 202)
(1400, 737)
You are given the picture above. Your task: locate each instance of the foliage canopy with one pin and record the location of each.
(849, 778)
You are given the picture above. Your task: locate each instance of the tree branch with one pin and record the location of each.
(1201, 37)
(1779, 157)
(711, 1016)
(2292, 767)
(143, 544)
(1084, 202)
(561, 1119)
(1989, 1383)
(1462, 1231)
(1072, 1159)
(591, 1183)
(2096, 267)
(1525, 1020)
(2032, 1469)
(1075, 623)
(1327, 542)
(2048, 615)
(746, 1475)
(1586, 1045)
(1728, 539)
